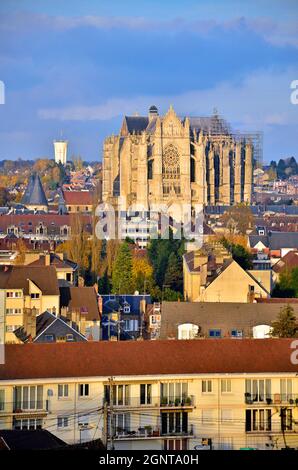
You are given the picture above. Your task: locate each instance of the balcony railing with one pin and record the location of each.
(162, 402)
(271, 399)
(149, 432)
(33, 407)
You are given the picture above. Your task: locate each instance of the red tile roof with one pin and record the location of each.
(94, 359)
(78, 197)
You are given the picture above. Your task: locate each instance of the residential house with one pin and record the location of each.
(123, 315)
(189, 320)
(216, 277)
(284, 264)
(166, 395)
(28, 291)
(80, 305)
(49, 328)
(67, 270)
(78, 201)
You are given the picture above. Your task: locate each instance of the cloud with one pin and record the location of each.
(261, 99)
(281, 33)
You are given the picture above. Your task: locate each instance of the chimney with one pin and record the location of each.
(47, 259)
(30, 322)
(143, 306)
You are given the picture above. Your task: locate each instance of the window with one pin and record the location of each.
(145, 394)
(68, 277)
(122, 423)
(175, 444)
(206, 386)
(49, 338)
(35, 295)
(237, 333)
(227, 416)
(187, 331)
(13, 294)
(27, 424)
(12, 328)
(207, 417)
(13, 311)
(258, 420)
(172, 423)
(215, 333)
(28, 397)
(126, 308)
(62, 421)
(226, 386)
(69, 337)
(286, 390)
(62, 390)
(2, 400)
(174, 393)
(257, 390)
(286, 419)
(83, 390)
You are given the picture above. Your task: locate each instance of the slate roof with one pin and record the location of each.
(48, 324)
(211, 124)
(17, 277)
(39, 439)
(133, 358)
(280, 240)
(34, 193)
(112, 303)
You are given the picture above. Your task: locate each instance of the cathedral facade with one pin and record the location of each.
(166, 159)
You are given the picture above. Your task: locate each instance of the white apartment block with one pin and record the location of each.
(157, 395)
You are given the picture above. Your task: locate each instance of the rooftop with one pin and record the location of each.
(131, 358)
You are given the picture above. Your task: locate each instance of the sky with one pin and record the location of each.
(74, 68)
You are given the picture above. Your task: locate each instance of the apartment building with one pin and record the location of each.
(28, 290)
(173, 395)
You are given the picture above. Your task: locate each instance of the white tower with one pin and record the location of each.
(60, 147)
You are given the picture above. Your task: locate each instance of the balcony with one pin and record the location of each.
(271, 399)
(33, 408)
(153, 402)
(149, 432)
(183, 402)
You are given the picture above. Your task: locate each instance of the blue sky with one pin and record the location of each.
(76, 67)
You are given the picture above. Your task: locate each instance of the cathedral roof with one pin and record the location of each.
(34, 194)
(136, 123)
(214, 124)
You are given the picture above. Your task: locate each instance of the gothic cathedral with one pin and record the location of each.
(166, 159)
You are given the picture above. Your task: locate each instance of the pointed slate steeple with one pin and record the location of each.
(34, 194)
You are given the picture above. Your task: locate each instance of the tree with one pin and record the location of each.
(288, 284)
(122, 271)
(174, 275)
(286, 325)
(104, 285)
(240, 254)
(78, 247)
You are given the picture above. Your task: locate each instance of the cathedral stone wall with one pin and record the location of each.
(167, 160)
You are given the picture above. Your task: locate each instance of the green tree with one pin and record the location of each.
(239, 254)
(104, 285)
(288, 284)
(122, 271)
(174, 274)
(286, 325)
